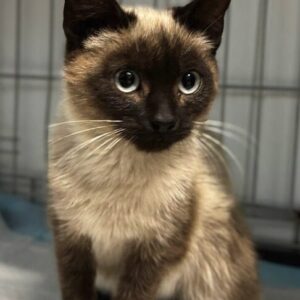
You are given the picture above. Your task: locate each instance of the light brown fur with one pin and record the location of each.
(122, 196)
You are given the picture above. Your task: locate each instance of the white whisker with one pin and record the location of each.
(225, 149)
(228, 127)
(227, 134)
(218, 155)
(76, 133)
(84, 121)
(98, 148)
(112, 145)
(104, 143)
(73, 151)
(211, 159)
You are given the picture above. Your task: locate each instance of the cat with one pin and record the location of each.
(135, 208)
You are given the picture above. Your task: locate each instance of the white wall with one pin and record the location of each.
(282, 66)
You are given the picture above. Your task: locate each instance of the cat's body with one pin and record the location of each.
(141, 222)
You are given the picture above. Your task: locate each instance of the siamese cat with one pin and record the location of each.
(136, 209)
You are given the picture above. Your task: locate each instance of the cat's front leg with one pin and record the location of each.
(145, 266)
(76, 266)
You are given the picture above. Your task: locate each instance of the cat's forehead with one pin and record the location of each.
(153, 29)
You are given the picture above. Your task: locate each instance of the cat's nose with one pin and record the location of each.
(164, 125)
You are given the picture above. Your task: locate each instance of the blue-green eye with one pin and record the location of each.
(127, 81)
(190, 83)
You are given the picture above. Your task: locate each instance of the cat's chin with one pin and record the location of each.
(157, 143)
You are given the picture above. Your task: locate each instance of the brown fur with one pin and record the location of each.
(145, 218)
(76, 264)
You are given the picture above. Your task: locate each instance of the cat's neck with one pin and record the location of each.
(125, 162)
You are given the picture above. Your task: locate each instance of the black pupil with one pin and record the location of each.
(189, 81)
(126, 79)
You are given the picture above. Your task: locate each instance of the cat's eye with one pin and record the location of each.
(127, 81)
(190, 83)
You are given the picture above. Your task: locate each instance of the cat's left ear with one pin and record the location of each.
(83, 18)
(205, 16)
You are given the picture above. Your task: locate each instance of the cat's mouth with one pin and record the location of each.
(155, 141)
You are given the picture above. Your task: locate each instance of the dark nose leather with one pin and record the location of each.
(163, 124)
(161, 112)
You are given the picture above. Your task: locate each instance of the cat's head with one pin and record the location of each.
(153, 70)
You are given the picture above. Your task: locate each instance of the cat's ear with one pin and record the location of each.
(205, 16)
(83, 18)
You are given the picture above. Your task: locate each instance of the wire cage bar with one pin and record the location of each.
(20, 178)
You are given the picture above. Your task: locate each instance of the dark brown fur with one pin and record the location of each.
(84, 18)
(76, 264)
(206, 16)
(160, 59)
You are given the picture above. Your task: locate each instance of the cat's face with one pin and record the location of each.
(153, 71)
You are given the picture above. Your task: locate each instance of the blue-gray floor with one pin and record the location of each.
(27, 265)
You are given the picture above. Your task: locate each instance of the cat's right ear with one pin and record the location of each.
(206, 16)
(83, 18)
